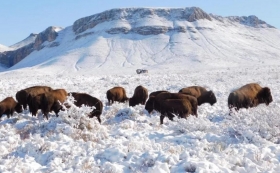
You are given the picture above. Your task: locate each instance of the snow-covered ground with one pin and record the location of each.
(131, 140)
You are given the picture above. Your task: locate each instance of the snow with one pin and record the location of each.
(131, 140)
(220, 56)
(205, 44)
(4, 48)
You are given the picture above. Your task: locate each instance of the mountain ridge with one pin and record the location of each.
(112, 29)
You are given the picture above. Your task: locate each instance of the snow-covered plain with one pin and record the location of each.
(131, 140)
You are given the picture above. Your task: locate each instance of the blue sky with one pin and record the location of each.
(19, 18)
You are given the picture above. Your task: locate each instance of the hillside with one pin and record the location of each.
(131, 38)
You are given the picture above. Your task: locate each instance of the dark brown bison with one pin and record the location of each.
(168, 103)
(202, 95)
(139, 97)
(167, 95)
(116, 94)
(8, 106)
(88, 100)
(155, 93)
(250, 95)
(52, 101)
(22, 95)
(169, 107)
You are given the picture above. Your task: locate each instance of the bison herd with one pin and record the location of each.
(183, 104)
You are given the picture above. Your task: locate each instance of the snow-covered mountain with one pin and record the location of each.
(188, 38)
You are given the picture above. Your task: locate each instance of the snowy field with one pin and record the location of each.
(131, 140)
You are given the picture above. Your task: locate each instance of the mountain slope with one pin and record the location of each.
(157, 38)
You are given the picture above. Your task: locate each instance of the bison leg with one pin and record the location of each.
(161, 118)
(24, 106)
(110, 102)
(170, 116)
(231, 108)
(195, 112)
(1, 112)
(98, 118)
(56, 113)
(46, 114)
(10, 113)
(184, 115)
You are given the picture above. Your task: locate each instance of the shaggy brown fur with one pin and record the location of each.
(181, 107)
(167, 95)
(139, 97)
(34, 104)
(202, 95)
(22, 95)
(155, 93)
(88, 100)
(116, 94)
(8, 106)
(167, 103)
(51, 101)
(249, 95)
(168, 107)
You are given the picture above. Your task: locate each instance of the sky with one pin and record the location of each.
(21, 18)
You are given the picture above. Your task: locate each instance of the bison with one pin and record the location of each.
(155, 93)
(139, 97)
(249, 95)
(116, 94)
(202, 95)
(88, 100)
(8, 106)
(167, 107)
(22, 95)
(167, 95)
(168, 103)
(51, 101)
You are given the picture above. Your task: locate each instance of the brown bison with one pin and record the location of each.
(22, 95)
(250, 95)
(51, 101)
(167, 95)
(155, 93)
(168, 107)
(168, 103)
(202, 95)
(8, 106)
(116, 94)
(139, 97)
(88, 100)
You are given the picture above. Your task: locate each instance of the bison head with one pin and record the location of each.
(265, 96)
(212, 98)
(18, 108)
(150, 104)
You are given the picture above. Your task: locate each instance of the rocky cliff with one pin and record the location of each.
(134, 16)
(9, 58)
